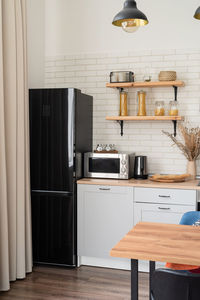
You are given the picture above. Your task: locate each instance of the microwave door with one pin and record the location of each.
(104, 167)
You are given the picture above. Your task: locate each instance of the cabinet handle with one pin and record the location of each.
(164, 208)
(104, 189)
(164, 196)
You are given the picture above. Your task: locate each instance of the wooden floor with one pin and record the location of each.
(82, 283)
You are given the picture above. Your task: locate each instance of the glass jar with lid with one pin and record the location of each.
(141, 103)
(123, 104)
(173, 108)
(159, 108)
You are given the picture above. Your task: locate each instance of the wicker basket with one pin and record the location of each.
(167, 76)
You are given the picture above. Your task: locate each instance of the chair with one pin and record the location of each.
(190, 217)
(175, 285)
(170, 284)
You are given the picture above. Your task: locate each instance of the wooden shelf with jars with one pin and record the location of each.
(150, 84)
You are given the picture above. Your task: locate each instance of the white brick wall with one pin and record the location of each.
(90, 72)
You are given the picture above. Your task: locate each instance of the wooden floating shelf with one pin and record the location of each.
(145, 118)
(120, 85)
(149, 84)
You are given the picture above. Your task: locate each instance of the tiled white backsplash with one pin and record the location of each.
(90, 72)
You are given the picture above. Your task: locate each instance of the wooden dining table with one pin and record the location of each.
(178, 244)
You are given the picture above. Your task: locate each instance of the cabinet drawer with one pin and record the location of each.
(165, 196)
(105, 189)
(161, 213)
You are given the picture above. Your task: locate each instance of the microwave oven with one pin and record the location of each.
(109, 165)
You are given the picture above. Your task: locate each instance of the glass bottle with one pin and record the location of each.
(147, 76)
(173, 108)
(141, 103)
(159, 108)
(123, 104)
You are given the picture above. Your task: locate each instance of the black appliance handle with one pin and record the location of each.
(58, 193)
(142, 161)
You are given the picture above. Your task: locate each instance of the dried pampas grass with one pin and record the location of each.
(190, 146)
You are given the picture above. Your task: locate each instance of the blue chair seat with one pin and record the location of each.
(189, 218)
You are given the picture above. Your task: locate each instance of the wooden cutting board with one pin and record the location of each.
(169, 178)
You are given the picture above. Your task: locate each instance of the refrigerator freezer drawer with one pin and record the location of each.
(53, 229)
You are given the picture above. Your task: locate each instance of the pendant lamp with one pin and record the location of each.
(130, 18)
(197, 14)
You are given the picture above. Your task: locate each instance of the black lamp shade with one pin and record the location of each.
(197, 14)
(130, 12)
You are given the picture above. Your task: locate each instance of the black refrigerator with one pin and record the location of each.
(60, 132)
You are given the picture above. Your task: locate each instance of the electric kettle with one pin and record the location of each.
(140, 167)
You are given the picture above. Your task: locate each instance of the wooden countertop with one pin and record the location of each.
(187, 185)
(161, 242)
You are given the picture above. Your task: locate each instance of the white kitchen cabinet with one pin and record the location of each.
(105, 215)
(162, 206)
(161, 213)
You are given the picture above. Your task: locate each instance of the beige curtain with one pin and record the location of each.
(15, 217)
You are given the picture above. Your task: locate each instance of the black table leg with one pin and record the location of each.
(152, 265)
(134, 279)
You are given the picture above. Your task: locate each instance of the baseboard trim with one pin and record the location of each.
(114, 263)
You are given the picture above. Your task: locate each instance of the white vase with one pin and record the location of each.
(191, 169)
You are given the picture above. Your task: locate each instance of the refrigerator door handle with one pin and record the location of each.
(61, 193)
